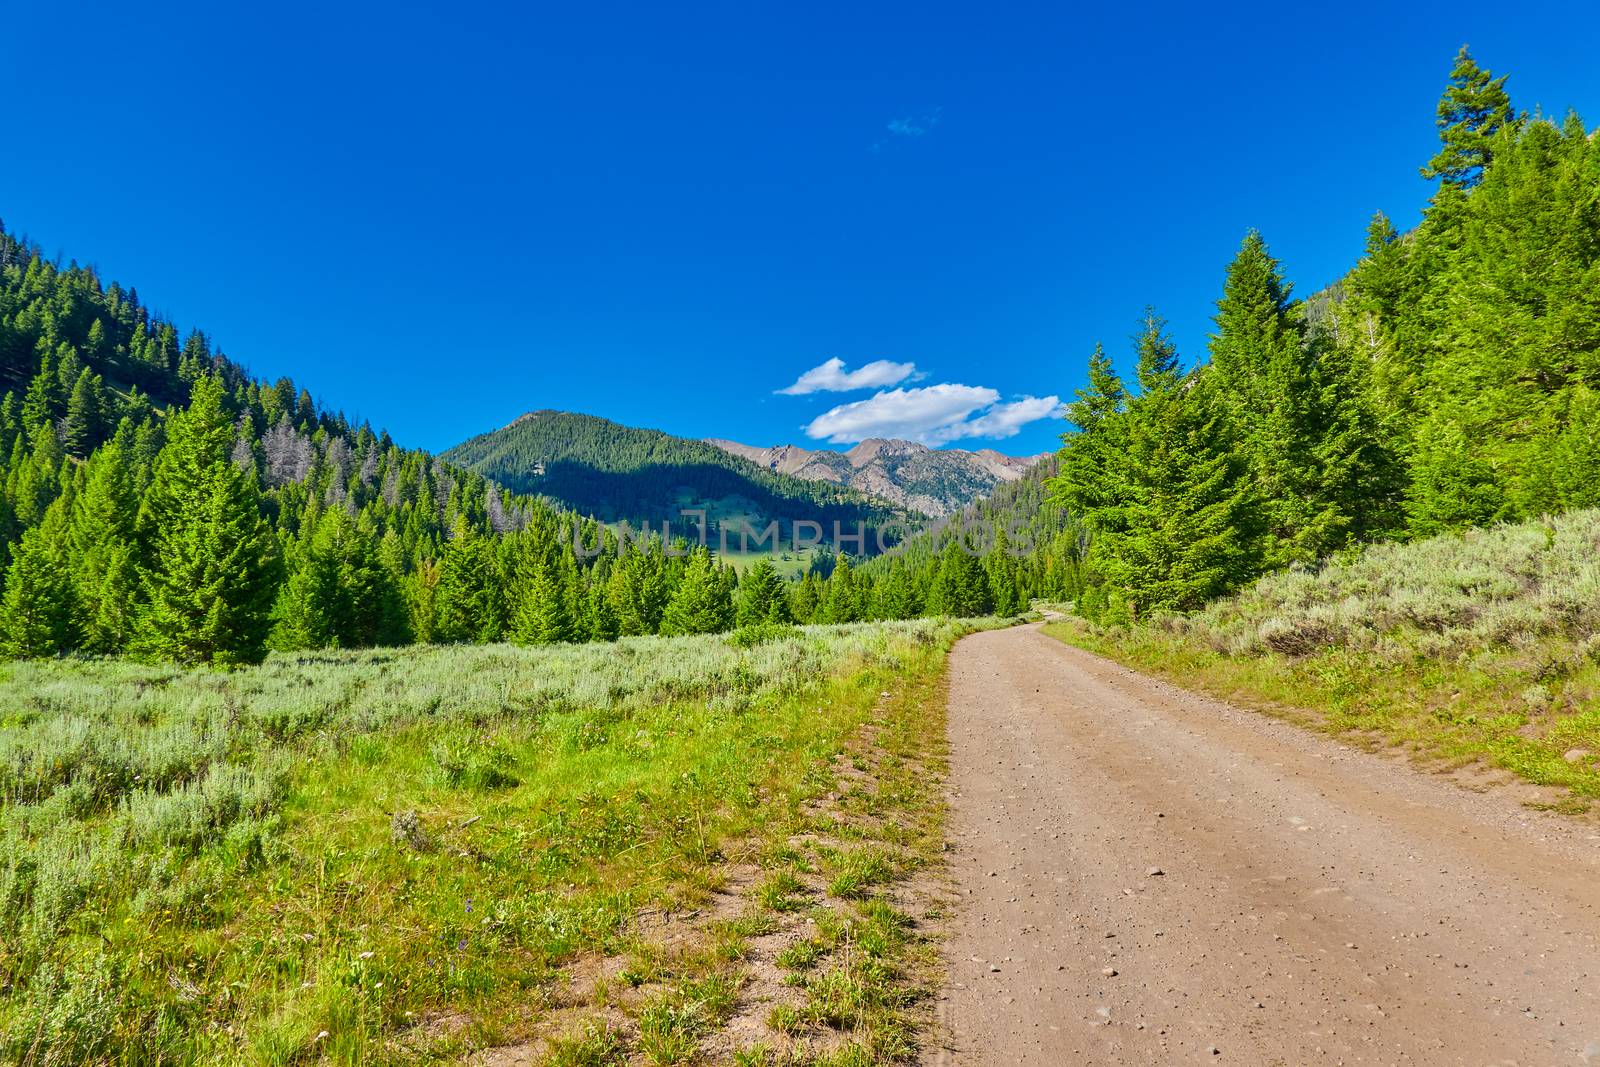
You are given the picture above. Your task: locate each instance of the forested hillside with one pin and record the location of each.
(616, 473)
(995, 555)
(157, 500)
(1449, 381)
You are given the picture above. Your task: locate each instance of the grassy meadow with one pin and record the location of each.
(1478, 646)
(402, 856)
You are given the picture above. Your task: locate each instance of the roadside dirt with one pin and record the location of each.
(1150, 876)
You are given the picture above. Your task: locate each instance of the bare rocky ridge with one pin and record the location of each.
(936, 482)
(1150, 876)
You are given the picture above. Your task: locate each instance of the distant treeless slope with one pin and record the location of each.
(935, 482)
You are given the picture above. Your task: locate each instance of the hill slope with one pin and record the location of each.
(933, 481)
(618, 473)
(1479, 645)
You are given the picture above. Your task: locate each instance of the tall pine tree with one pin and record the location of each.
(104, 552)
(1472, 112)
(212, 572)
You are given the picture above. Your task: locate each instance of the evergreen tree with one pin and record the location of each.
(639, 590)
(841, 602)
(338, 594)
(81, 430)
(469, 605)
(1158, 368)
(961, 588)
(599, 614)
(1472, 112)
(1164, 491)
(1452, 484)
(807, 596)
(1297, 407)
(1005, 578)
(421, 591)
(543, 613)
(703, 602)
(44, 401)
(395, 614)
(37, 610)
(1089, 457)
(761, 596)
(213, 567)
(1187, 531)
(104, 552)
(896, 595)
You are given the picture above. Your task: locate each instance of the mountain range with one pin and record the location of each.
(935, 482)
(624, 473)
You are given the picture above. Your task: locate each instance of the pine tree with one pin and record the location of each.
(1452, 484)
(82, 428)
(44, 401)
(807, 595)
(1187, 532)
(840, 600)
(469, 604)
(1298, 408)
(1005, 577)
(213, 567)
(37, 610)
(1158, 368)
(543, 612)
(10, 423)
(638, 590)
(421, 591)
(394, 627)
(338, 594)
(1472, 112)
(896, 596)
(961, 588)
(599, 615)
(1103, 398)
(1086, 479)
(34, 476)
(702, 603)
(761, 596)
(104, 552)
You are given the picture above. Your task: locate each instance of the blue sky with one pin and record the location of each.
(666, 214)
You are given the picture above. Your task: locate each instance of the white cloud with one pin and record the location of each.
(1004, 420)
(831, 377)
(933, 415)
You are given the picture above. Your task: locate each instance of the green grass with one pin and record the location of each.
(854, 870)
(390, 856)
(1483, 646)
(781, 891)
(787, 560)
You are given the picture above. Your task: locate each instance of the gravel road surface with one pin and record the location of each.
(1151, 876)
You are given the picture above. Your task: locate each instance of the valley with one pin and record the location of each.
(1251, 714)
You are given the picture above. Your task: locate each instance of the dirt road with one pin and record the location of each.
(1149, 876)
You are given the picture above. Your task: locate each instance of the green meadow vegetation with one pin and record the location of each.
(396, 855)
(1480, 645)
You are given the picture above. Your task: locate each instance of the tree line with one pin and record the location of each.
(1450, 380)
(156, 500)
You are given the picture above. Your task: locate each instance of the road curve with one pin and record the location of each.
(1314, 903)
